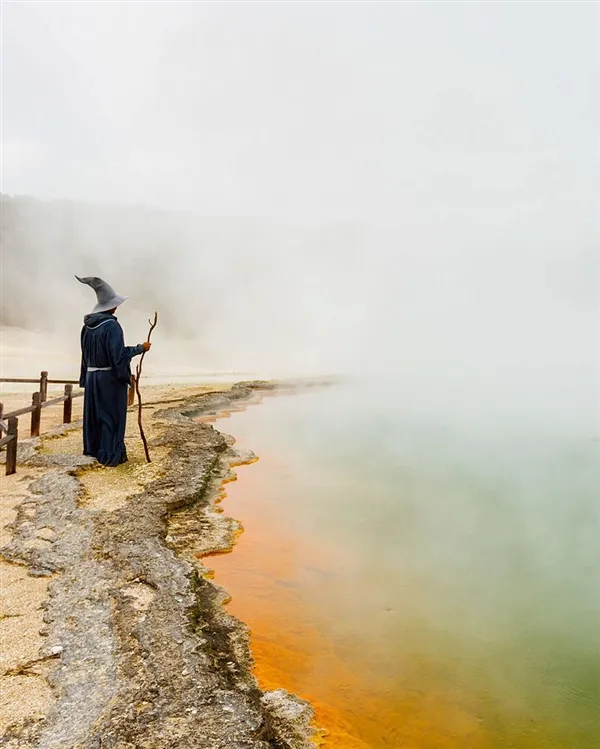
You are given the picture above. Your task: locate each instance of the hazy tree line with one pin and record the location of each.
(44, 243)
(269, 293)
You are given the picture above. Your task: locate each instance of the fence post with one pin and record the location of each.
(1, 413)
(36, 414)
(44, 386)
(68, 404)
(11, 448)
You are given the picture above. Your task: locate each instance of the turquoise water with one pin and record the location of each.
(468, 564)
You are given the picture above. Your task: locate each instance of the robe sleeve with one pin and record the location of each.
(131, 351)
(83, 370)
(119, 354)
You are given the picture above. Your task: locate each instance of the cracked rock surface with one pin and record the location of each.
(138, 650)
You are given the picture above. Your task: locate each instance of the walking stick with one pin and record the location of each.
(138, 372)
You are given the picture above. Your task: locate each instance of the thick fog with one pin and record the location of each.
(402, 192)
(404, 188)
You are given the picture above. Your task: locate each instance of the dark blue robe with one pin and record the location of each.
(105, 401)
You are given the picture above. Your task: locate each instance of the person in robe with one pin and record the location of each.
(106, 376)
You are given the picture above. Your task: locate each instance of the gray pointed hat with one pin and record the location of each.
(107, 297)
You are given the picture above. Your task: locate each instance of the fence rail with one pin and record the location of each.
(35, 380)
(9, 422)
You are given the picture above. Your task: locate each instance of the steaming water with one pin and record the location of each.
(426, 581)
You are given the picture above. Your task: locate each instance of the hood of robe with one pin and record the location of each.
(95, 318)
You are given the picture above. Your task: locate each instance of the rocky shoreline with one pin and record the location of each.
(139, 650)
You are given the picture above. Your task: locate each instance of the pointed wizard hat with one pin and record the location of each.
(107, 297)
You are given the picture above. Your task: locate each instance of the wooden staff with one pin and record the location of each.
(138, 373)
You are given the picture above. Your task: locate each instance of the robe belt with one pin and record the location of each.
(99, 369)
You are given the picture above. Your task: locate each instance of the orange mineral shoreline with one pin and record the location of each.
(292, 650)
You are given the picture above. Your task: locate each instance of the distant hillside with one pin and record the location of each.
(230, 292)
(45, 243)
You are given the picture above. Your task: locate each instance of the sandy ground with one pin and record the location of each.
(26, 695)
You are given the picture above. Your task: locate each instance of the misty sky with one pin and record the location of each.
(415, 184)
(376, 112)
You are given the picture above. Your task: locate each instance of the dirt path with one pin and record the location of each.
(111, 635)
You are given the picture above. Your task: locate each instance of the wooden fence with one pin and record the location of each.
(9, 422)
